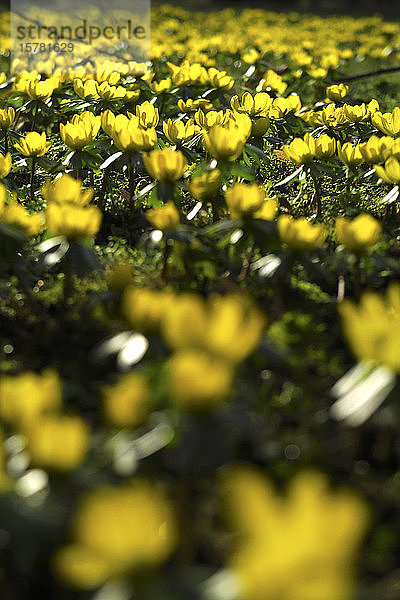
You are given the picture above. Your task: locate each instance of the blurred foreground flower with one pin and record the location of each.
(25, 397)
(301, 235)
(359, 234)
(250, 200)
(198, 381)
(117, 530)
(299, 547)
(372, 327)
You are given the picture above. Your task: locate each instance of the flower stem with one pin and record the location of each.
(317, 195)
(35, 110)
(130, 180)
(32, 189)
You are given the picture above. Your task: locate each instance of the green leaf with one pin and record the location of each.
(241, 171)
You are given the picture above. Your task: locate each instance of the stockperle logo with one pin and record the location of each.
(74, 34)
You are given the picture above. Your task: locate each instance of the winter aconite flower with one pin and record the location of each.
(349, 155)
(390, 171)
(229, 327)
(165, 164)
(5, 165)
(165, 217)
(325, 146)
(127, 403)
(145, 308)
(372, 328)
(26, 397)
(7, 116)
(250, 200)
(376, 150)
(33, 144)
(388, 123)
(147, 115)
(301, 235)
(198, 381)
(117, 530)
(337, 92)
(58, 442)
(301, 151)
(74, 222)
(358, 235)
(66, 190)
(300, 546)
(205, 186)
(226, 141)
(178, 131)
(80, 131)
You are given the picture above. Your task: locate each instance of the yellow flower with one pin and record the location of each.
(301, 151)
(229, 327)
(147, 114)
(390, 171)
(15, 215)
(178, 131)
(254, 106)
(26, 397)
(73, 221)
(66, 190)
(198, 381)
(127, 403)
(33, 144)
(251, 56)
(40, 90)
(58, 442)
(116, 530)
(162, 86)
(376, 150)
(74, 136)
(282, 106)
(360, 234)
(165, 217)
(301, 546)
(133, 138)
(388, 123)
(144, 308)
(337, 92)
(193, 105)
(300, 234)
(349, 155)
(206, 120)
(226, 141)
(219, 79)
(108, 121)
(325, 146)
(5, 165)
(165, 164)
(205, 186)
(111, 92)
(372, 328)
(250, 200)
(7, 116)
(273, 81)
(87, 90)
(355, 113)
(80, 131)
